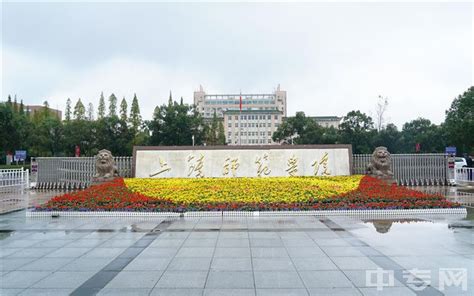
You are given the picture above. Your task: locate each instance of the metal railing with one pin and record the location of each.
(410, 169)
(77, 173)
(464, 176)
(74, 172)
(13, 184)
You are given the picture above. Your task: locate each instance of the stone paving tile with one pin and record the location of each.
(64, 279)
(124, 292)
(9, 264)
(395, 291)
(266, 242)
(337, 242)
(205, 242)
(325, 279)
(148, 264)
(334, 292)
(230, 279)
(195, 252)
(182, 279)
(234, 235)
(273, 264)
(83, 243)
(282, 292)
(31, 252)
(174, 235)
(229, 292)
(163, 243)
(317, 263)
(354, 263)
(176, 292)
(86, 264)
(10, 292)
(190, 264)
(104, 252)
(231, 264)
(203, 235)
(68, 252)
(233, 243)
(46, 264)
(19, 243)
(232, 253)
(299, 242)
(5, 252)
(22, 279)
(135, 279)
(269, 252)
(52, 243)
(277, 279)
(308, 252)
(333, 251)
(157, 253)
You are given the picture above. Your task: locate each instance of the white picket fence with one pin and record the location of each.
(13, 186)
(464, 176)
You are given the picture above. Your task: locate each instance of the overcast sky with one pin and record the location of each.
(331, 58)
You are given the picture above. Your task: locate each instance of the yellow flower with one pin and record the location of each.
(266, 190)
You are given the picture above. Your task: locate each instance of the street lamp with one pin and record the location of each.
(192, 137)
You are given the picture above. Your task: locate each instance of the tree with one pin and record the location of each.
(175, 124)
(123, 109)
(67, 114)
(112, 105)
(459, 122)
(221, 134)
(90, 112)
(101, 108)
(422, 131)
(135, 117)
(211, 131)
(380, 110)
(357, 128)
(79, 111)
(299, 130)
(389, 136)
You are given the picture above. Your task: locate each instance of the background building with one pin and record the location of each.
(251, 123)
(327, 121)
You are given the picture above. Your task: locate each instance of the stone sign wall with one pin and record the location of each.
(243, 161)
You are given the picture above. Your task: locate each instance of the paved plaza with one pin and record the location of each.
(233, 256)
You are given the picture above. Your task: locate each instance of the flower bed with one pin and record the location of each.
(169, 195)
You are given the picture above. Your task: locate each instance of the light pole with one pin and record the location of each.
(192, 137)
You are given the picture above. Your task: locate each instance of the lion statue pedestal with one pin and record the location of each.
(104, 167)
(380, 165)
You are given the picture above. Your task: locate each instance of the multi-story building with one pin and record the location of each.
(249, 119)
(327, 121)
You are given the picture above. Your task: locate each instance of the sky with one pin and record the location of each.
(331, 58)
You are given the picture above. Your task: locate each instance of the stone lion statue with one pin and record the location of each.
(380, 164)
(105, 166)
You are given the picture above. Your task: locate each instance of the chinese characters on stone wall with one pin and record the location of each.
(263, 166)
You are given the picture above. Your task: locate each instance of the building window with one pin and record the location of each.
(269, 124)
(269, 141)
(236, 124)
(229, 124)
(229, 117)
(276, 117)
(269, 134)
(236, 117)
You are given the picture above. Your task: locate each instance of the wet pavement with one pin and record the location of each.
(419, 255)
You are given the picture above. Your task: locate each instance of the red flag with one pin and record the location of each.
(240, 102)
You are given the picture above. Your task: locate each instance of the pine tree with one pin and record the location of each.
(90, 112)
(112, 105)
(15, 105)
(123, 109)
(79, 110)
(22, 108)
(101, 109)
(68, 110)
(221, 134)
(135, 117)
